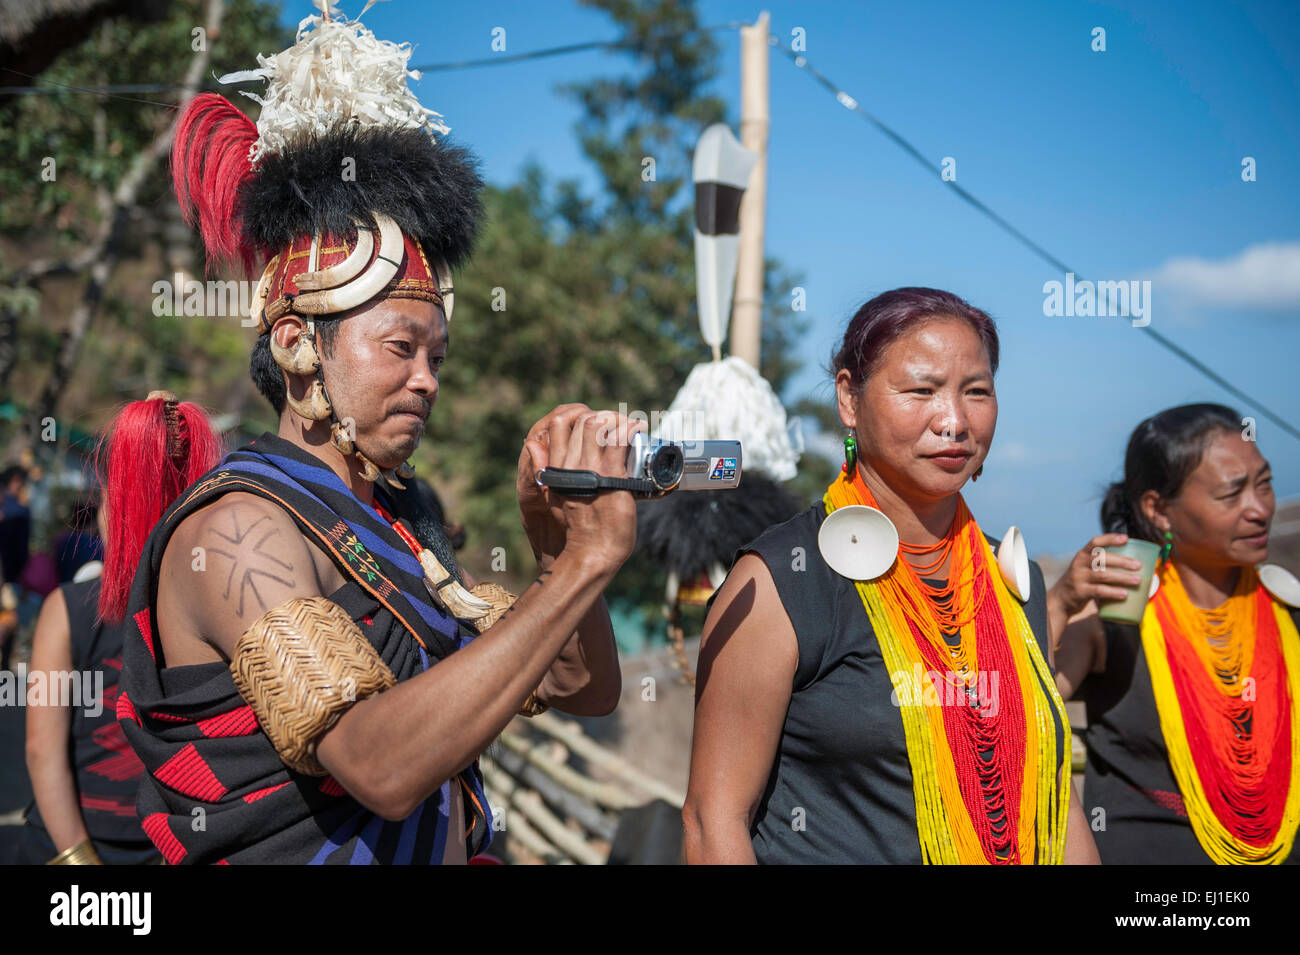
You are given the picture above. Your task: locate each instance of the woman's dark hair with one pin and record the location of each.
(1163, 451)
(890, 314)
(82, 513)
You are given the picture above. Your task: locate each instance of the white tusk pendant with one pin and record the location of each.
(1013, 562)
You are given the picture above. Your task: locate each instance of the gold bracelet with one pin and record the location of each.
(533, 706)
(83, 853)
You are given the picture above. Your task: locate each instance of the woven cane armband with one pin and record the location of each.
(300, 666)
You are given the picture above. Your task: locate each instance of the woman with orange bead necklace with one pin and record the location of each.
(1193, 715)
(873, 684)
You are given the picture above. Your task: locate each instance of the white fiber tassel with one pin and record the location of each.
(313, 84)
(729, 400)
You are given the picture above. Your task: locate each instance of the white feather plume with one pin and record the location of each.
(728, 400)
(336, 72)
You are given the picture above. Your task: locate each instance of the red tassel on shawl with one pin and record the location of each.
(209, 164)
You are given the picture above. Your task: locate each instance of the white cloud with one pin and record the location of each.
(1265, 275)
(1015, 452)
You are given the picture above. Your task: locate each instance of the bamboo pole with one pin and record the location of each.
(552, 829)
(572, 843)
(603, 793)
(583, 745)
(499, 789)
(581, 811)
(747, 311)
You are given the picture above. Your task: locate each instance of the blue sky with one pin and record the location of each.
(1126, 164)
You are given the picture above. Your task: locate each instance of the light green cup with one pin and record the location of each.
(1131, 609)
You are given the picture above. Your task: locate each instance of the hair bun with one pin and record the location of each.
(1116, 512)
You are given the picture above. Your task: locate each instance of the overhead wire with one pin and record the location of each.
(801, 62)
(852, 104)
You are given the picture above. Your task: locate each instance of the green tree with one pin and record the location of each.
(571, 296)
(89, 142)
(597, 292)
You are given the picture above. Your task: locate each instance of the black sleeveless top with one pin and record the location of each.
(1130, 796)
(107, 770)
(840, 790)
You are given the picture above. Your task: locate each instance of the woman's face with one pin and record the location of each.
(926, 416)
(1222, 514)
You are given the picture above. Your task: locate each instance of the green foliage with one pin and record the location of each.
(599, 291)
(93, 140)
(594, 294)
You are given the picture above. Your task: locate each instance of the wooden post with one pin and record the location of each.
(747, 312)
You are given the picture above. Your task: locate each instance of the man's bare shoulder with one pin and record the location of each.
(230, 562)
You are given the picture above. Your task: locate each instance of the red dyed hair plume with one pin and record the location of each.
(148, 455)
(209, 165)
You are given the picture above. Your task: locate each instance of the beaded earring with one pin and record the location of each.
(850, 454)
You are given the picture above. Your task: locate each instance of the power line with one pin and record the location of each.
(850, 103)
(800, 61)
(112, 90)
(109, 91)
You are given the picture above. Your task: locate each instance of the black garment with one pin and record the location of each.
(107, 770)
(15, 537)
(35, 847)
(840, 790)
(1128, 774)
(75, 549)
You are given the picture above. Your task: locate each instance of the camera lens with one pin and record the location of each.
(666, 467)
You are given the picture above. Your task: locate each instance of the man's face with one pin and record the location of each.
(382, 375)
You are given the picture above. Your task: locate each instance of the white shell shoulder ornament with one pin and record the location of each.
(1281, 583)
(861, 543)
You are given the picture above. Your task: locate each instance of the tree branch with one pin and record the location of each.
(103, 252)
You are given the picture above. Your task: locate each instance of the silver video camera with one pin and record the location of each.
(684, 465)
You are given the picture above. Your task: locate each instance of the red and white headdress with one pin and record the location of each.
(344, 191)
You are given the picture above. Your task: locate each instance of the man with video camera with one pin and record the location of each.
(311, 678)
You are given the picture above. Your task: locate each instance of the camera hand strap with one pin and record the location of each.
(589, 483)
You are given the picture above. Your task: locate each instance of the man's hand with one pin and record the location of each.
(393, 749)
(576, 438)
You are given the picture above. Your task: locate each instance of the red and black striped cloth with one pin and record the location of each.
(216, 790)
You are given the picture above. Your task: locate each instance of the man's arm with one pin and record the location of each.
(395, 748)
(398, 746)
(225, 566)
(585, 679)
